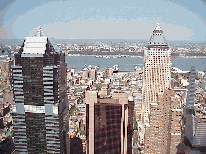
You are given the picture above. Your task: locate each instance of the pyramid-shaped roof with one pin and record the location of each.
(157, 39)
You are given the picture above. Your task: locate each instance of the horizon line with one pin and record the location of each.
(144, 40)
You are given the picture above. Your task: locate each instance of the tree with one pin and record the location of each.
(135, 122)
(98, 88)
(119, 88)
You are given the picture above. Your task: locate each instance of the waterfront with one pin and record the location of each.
(127, 63)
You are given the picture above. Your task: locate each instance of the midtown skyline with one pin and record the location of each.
(103, 20)
(40, 67)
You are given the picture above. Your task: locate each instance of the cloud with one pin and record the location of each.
(113, 29)
(3, 33)
(72, 19)
(5, 5)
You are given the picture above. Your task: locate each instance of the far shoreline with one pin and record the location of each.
(131, 56)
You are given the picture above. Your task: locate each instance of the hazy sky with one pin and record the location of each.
(106, 19)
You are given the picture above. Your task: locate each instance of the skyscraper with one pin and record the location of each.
(156, 97)
(40, 100)
(109, 123)
(156, 70)
(190, 112)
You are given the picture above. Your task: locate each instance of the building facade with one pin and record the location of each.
(163, 133)
(156, 70)
(40, 102)
(6, 74)
(109, 123)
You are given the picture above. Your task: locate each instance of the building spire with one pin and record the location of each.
(158, 27)
(39, 32)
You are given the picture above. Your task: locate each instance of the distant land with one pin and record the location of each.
(20, 41)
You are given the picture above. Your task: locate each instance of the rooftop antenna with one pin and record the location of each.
(39, 32)
(158, 27)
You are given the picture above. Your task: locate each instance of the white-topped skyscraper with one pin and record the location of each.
(40, 102)
(156, 70)
(160, 128)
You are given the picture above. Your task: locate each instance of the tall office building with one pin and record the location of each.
(156, 107)
(109, 123)
(40, 101)
(156, 70)
(190, 112)
(194, 136)
(163, 133)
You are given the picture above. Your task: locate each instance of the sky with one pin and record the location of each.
(103, 19)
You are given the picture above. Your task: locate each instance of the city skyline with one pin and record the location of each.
(57, 108)
(103, 20)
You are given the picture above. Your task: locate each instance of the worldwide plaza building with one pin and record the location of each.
(161, 112)
(156, 70)
(40, 102)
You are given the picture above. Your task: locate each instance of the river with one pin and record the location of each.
(127, 63)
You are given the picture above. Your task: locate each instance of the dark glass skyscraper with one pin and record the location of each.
(40, 102)
(109, 123)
